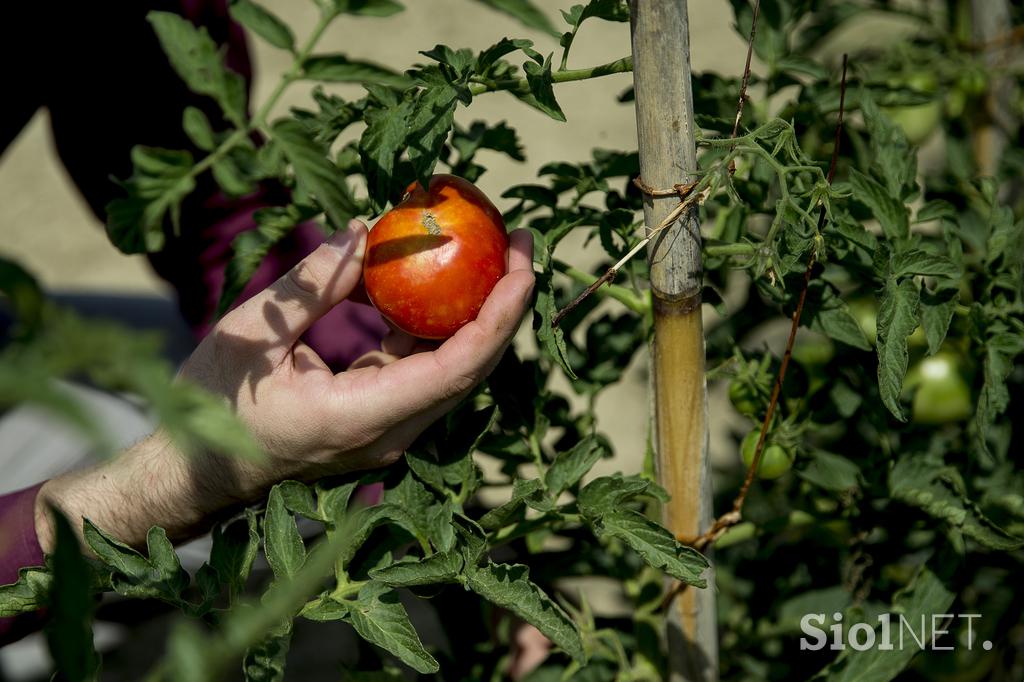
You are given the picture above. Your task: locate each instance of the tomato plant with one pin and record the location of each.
(915, 511)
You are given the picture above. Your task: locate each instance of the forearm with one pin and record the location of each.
(149, 484)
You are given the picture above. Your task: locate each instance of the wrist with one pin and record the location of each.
(150, 484)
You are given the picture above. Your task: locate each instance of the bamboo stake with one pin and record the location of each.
(665, 127)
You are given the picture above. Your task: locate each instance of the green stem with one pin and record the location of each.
(625, 296)
(482, 85)
(348, 590)
(538, 455)
(259, 119)
(737, 249)
(293, 74)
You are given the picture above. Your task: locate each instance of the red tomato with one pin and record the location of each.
(432, 260)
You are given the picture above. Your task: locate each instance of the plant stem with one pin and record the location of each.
(259, 119)
(625, 296)
(736, 249)
(623, 65)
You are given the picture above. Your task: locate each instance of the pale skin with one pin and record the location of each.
(310, 421)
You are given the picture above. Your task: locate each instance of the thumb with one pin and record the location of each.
(304, 294)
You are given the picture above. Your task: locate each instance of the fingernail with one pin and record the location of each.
(349, 242)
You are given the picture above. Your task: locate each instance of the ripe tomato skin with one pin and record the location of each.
(432, 260)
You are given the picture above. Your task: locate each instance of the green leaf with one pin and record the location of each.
(443, 460)
(442, 567)
(488, 58)
(542, 94)
(282, 542)
(802, 66)
(186, 653)
(379, 618)
(834, 319)
(263, 23)
(936, 209)
(551, 338)
(160, 181)
(937, 310)
(316, 172)
(1001, 347)
(890, 151)
(24, 296)
(655, 544)
(499, 137)
(609, 10)
(264, 662)
(232, 176)
(235, 546)
(926, 594)
(198, 129)
(332, 118)
(525, 12)
(379, 147)
(918, 262)
(607, 494)
(29, 593)
(831, 472)
(897, 320)
(511, 511)
(509, 586)
(364, 520)
(337, 68)
(164, 560)
(432, 118)
(890, 212)
(298, 498)
(249, 248)
(70, 607)
(923, 481)
(332, 502)
(133, 575)
(367, 8)
(570, 466)
(198, 61)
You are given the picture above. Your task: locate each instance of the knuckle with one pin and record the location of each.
(307, 280)
(457, 384)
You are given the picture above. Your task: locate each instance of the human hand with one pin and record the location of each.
(313, 422)
(310, 421)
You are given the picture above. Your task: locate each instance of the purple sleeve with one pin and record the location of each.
(19, 548)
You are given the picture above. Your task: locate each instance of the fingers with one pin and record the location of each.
(375, 358)
(520, 250)
(288, 307)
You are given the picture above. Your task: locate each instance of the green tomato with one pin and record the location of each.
(942, 394)
(744, 398)
(865, 311)
(920, 121)
(813, 350)
(775, 460)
